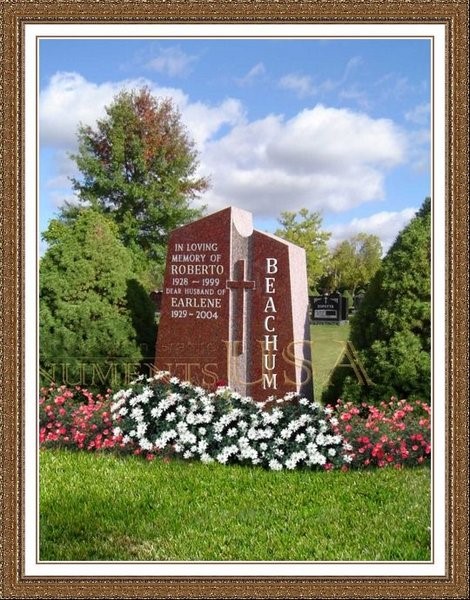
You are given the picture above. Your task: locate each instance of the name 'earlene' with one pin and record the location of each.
(270, 336)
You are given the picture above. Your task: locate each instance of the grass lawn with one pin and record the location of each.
(99, 507)
(327, 348)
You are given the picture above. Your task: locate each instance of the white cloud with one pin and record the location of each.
(386, 225)
(254, 73)
(419, 155)
(70, 99)
(302, 85)
(351, 65)
(355, 94)
(419, 114)
(398, 87)
(204, 121)
(323, 158)
(59, 197)
(172, 61)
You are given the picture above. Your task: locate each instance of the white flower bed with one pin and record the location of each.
(163, 414)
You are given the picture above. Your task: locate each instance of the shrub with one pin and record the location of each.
(395, 433)
(92, 310)
(392, 329)
(166, 415)
(74, 418)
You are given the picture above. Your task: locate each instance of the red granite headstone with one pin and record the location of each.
(235, 308)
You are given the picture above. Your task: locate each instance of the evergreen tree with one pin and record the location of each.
(392, 327)
(138, 165)
(92, 310)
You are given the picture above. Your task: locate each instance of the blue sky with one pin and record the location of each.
(339, 126)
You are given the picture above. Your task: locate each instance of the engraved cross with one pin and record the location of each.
(239, 286)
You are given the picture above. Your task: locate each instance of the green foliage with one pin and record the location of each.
(91, 307)
(392, 327)
(304, 229)
(139, 167)
(353, 263)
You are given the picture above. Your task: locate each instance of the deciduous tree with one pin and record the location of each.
(353, 263)
(139, 166)
(304, 229)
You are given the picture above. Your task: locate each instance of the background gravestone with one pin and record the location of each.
(235, 308)
(329, 308)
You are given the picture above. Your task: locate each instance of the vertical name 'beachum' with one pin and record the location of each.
(270, 336)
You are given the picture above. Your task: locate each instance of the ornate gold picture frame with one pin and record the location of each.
(16, 15)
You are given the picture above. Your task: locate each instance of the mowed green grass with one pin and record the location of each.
(100, 507)
(327, 348)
